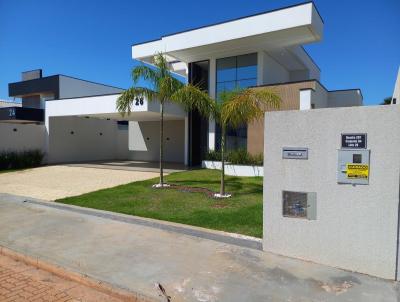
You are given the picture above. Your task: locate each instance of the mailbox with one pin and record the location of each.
(353, 166)
(299, 204)
(294, 153)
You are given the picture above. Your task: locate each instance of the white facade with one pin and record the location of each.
(284, 27)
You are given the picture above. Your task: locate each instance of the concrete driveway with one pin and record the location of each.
(54, 182)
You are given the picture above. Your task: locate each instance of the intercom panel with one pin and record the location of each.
(353, 166)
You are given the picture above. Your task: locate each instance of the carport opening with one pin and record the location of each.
(100, 138)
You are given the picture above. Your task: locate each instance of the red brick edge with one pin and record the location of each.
(83, 279)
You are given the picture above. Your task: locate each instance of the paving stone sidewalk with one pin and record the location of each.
(22, 282)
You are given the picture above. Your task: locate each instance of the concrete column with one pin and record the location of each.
(305, 99)
(186, 144)
(46, 135)
(260, 67)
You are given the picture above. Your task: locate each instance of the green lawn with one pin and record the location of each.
(241, 213)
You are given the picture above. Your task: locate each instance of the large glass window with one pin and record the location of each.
(235, 72)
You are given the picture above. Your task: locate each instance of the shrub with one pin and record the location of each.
(213, 155)
(258, 160)
(236, 157)
(20, 159)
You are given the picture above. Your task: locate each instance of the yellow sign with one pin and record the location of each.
(357, 171)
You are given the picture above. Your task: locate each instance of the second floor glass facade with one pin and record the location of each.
(235, 72)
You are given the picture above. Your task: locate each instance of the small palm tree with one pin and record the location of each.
(165, 88)
(240, 107)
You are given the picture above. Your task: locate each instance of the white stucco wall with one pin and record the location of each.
(319, 97)
(72, 87)
(356, 226)
(344, 98)
(299, 75)
(144, 141)
(311, 67)
(26, 137)
(86, 143)
(122, 146)
(273, 72)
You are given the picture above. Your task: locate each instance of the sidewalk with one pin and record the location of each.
(23, 282)
(137, 257)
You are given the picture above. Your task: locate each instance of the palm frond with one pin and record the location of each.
(128, 97)
(160, 61)
(266, 98)
(191, 97)
(244, 106)
(167, 86)
(144, 72)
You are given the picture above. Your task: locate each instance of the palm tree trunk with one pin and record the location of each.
(222, 189)
(162, 144)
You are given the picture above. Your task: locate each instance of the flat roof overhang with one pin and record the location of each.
(286, 27)
(21, 115)
(104, 107)
(37, 86)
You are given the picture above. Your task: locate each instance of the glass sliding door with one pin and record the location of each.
(235, 72)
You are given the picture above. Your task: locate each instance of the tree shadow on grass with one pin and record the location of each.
(235, 186)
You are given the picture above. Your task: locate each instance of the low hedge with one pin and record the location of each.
(236, 157)
(20, 159)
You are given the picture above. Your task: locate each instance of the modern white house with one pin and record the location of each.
(262, 51)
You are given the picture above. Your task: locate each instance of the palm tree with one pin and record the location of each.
(387, 101)
(165, 88)
(240, 107)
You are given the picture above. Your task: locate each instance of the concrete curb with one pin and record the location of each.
(104, 287)
(219, 236)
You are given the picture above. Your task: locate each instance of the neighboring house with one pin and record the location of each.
(34, 90)
(9, 103)
(262, 50)
(22, 124)
(396, 92)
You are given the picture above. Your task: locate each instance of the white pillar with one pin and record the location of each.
(46, 134)
(305, 99)
(186, 145)
(260, 68)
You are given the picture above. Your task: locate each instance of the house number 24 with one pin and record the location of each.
(139, 101)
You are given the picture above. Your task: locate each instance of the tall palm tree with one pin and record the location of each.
(240, 107)
(165, 88)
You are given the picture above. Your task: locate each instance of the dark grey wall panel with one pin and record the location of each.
(35, 86)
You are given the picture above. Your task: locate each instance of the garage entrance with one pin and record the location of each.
(90, 129)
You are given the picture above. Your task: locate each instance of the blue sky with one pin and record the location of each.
(92, 39)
